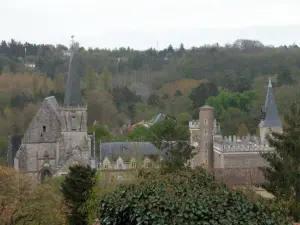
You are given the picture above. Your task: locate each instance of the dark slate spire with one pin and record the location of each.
(270, 115)
(73, 91)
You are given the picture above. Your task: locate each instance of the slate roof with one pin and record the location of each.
(206, 107)
(73, 92)
(157, 118)
(51, 101)
(112, 150)
(269, 110)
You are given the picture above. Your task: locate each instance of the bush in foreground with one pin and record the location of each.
(187, 197)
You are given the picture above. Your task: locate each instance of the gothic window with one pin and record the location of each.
(73, 125)
(44, 129)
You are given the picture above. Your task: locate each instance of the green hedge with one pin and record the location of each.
(187, 197)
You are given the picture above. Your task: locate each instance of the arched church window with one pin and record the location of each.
(73, 123)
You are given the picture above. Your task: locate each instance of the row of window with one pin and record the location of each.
(120, 165)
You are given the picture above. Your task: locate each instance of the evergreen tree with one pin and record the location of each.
(283, 173)
(178, 93)
(76, 189)
(285, 78)
(106, 80)
(174, 139)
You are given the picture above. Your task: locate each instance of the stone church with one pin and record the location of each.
(57, 135)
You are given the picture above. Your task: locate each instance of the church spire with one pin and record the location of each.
(73, 91)
(270, 115)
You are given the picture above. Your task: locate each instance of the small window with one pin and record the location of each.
(206, 145)
(44, 129)
(205, 131)
(105, 166)
(205, 161)
(205, 121)
(73, 125)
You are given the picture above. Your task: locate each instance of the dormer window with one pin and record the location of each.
(73, 123)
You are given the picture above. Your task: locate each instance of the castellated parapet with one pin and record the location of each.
(194, 124)
(231, 144)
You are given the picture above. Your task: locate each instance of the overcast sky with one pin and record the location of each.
(141, 24)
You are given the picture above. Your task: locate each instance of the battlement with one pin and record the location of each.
(239, 144)
(194, 124)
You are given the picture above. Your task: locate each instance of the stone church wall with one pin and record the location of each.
(44, 127)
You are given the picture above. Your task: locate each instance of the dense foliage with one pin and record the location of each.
(76, 188)
(186, 197)
(170, 137)
(24, 202)
(284, 174)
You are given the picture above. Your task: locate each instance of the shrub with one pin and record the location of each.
(187, 197)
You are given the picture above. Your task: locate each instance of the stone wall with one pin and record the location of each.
(74, 119)
(240, 176)
(44, 127)
(243, 160)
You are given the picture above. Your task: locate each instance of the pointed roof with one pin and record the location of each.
(157, 118)
(269, 110)
(73, 91)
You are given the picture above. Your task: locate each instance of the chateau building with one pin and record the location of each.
(57, 135)
(57, 138)
(232, 156)
(217, 151)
